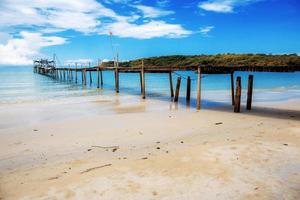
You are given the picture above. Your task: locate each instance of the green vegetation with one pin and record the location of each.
(226, 60)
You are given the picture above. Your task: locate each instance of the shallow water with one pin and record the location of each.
(20, 85)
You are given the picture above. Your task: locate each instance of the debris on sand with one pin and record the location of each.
(113, 148)
(218, 123)
(93, 168)
(53, 178)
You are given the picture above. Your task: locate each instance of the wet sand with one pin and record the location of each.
(149, 150)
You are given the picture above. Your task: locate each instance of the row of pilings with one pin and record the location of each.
(73, 74)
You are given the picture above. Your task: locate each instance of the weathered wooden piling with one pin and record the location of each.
(177, 89)
(171, 84)
(64, 71)
(117, 76)
(98, 78)
(232, 87)
(238, 92)
(199, 89)
(188, 88)
(249, 92)
(143, 80)
(84, 76)
(90, 72)
(75, 72)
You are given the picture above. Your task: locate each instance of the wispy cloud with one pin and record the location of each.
(162, 3)
(148, 30)
(206, 30)
(152, 12)
(223, 6)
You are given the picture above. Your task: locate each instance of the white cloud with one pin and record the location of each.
(223, 6)
(152, 12)
(79, 15)
(148, 30)
(37, 19)
(22, 50)
(206, 30)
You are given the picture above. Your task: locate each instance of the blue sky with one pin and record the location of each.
(79, 30)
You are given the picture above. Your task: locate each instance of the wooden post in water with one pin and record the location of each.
(98, 78)
(199, 89)
(237, 100)
(188, 88)
(117, 74)
(84, 76)
(64, 74)
(143, 80)
(249, 92)
(75, 72)
(232, 87)
(171, 84)
(177, 89)
(91, 79)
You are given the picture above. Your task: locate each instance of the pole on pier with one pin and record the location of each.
(177, 89)
(199, 89)
(249, 92)
(188, 88)
(143, 80)
(237, 100)
(232, 87)
(171, 84)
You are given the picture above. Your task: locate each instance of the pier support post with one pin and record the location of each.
(98, 78)
(75, 72)
(71, 74)
(143, 80)
(177, 89)
(249, 92)
(171, 84)
(64, 74)
(101, 77)
(84, 76)
(232, 87)
(199, 89)
(91, 78)
(237, 100)
(117, 77)
(82, 81)
(188, 88)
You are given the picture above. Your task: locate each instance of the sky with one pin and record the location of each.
(87, 30)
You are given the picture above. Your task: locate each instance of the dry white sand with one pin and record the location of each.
(129, 151)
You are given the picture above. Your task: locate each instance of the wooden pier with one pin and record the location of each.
(144, 66)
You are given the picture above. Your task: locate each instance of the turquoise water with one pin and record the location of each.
(21, 85)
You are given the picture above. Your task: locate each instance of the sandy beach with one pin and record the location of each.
(149, 150)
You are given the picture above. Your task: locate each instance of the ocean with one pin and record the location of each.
(20, 85)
